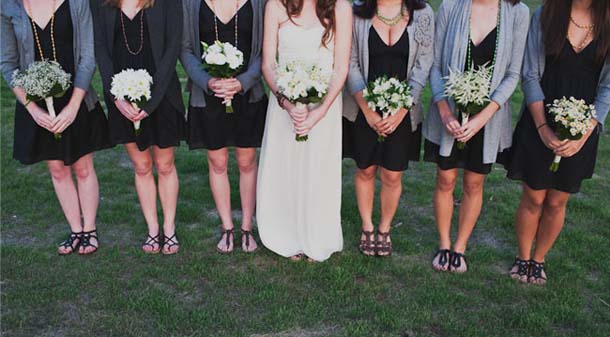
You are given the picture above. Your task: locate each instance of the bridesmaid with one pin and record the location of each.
(239, 22)
(33, 30)
(392, 38)
(145, 34)
(567, 55)
(471, 33)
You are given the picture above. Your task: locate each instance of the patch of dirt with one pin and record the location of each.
(324, 331)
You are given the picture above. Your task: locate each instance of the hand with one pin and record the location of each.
(126, 109)
(451, 123)
(65, 118)
(549, 138)
(140, 116)
(215, 84)
(388, 125)
(372, 118)
(470, 129)
(313, 117)
(40, 116)
(570, 147)
(297, 114)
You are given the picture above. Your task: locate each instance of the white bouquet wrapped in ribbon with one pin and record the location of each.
(222, 60)
(42, 81)
(133, 86)
(572, 119)
(304, 85)
(470, 90)
(388, 96)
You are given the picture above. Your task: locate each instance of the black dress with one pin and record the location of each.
(471, 157)
(166, 126)
(571, 74)
(360, 140)
(89, 131)
(211, 127)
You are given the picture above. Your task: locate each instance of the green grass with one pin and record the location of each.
(121, 292)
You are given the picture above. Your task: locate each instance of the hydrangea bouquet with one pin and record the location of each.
(222, 60)
(304, 85)
(470, 90)
(388, 96)
(133, 86)
(42, 81)
(573, 119)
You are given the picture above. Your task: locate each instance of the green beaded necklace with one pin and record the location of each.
(470, 64)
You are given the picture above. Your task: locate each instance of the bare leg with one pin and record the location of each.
(89, 196)
(168, 191)
(470, 208)
(67, 195)
(246, 162)
(218, 161)
(443, 209)
(364, 181)
(391, 188)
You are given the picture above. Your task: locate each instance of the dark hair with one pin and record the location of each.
(366, 8)
(325, 10)
(555, 19)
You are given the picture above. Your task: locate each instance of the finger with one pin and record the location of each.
(141, 115)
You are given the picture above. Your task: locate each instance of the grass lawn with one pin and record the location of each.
(121, 292)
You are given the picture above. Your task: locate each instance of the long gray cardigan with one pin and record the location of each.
(421, 36)
(452, 26)
(533, 69)
(190, 57)
(18, 44)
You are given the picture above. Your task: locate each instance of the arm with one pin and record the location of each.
(425, 56)
(102, 54)
(531, 76)
(252, 75)
(355, 79)
(191, 63)
(602, 100)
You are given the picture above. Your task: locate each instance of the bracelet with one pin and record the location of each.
(541, 125)
(280, 99)
(27, 102)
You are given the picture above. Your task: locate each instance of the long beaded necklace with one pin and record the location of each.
(35, 30)
(470, 63)
(583, 44)
(394, 20)
(134, 53)
(216, 20)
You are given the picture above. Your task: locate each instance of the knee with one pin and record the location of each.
(218, 166)
(445, 183)
(473, 188)
(532, 203)
(143, 168)
(83, 172)
(391, 180)
(247, 165)
(165, 168)
(367, 174)
(60, 173)
(555, 205)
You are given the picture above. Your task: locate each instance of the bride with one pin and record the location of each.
(299, 189)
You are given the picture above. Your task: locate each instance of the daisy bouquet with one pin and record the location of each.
(388, 96)
(133, 86)
(304, 85)
(573, 119)
(222, 60)
(42, 81)
(470, 90)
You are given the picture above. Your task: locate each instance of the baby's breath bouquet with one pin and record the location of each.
(304, 85)
(222, 60)
(573, 119)
(42, 81)
(470, 90)
(388, 96)
(133, 86)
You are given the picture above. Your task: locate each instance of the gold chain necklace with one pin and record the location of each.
(394, 20)
(134, 53)
(583, 44)
(35, 30)
(581, 26)
(216, 20)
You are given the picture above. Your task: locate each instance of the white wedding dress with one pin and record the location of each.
(299, 183)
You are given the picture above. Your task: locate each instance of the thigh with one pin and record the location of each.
(138, 158)
(164, 156)
(245, 155)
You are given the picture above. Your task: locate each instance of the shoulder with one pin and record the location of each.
(423, 17)
(447, 5)
(537, 13)
(10, 8)
(171, 4)
(521, 9)
(343, 7)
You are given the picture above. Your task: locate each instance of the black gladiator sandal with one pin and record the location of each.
(367, 245)
(455, 262)
(522, 272)
(384, 245)
(86, 241)
(535, 273)
(71, 243)
(444, 256)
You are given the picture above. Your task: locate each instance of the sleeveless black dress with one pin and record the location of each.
(89, 131)
(212, 127)
(471, 157)
(360, 140)
(570, 74)
(166, 126)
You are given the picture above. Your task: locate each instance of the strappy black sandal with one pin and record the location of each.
(246, 236)
(151, 241)
(522, 272)
(228, 235)
(443, 259)
(86, 241)
(367, 245)
(535, 273)
(455, 262)
(384, 246)
(71, 242)
(169, 243)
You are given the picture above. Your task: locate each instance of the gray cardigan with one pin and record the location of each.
(421, 36)
(18, 44)
(190, 57)
(533, 69)
(452, 26)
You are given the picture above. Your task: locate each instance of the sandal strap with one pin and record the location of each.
(456, 259)
(170, 241)
(69, 242)
(383, 244)
(523, 267)
(445, 256)
(151, 241)
(536, 270)
(367, 243)
(229, 233)
(247, 234)
(86, 239)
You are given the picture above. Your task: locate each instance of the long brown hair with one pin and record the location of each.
(555, 19)
(325, 10)
(143, 3)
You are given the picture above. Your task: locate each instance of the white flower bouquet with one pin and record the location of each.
(133, 86)
(304, 85)
(573, 119)
(42, 81)
(222, 60)
(470, 90)
(388, 96)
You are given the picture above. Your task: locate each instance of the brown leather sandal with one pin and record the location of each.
(367, 245)
(384, 246)
(246, 236)
(228, 235)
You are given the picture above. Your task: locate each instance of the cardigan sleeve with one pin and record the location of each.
(9, 56)
(534, 53)
(102, 55)
(190, 62)
(437, 83)
(424, 36)
(602, 100)
(252, 75)
(86, 64)
(511, 79)
(355, 79)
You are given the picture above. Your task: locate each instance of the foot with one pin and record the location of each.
(170, 245)
(367, 243)
(520, 270)
(440, 261)
(297, 258)
(70, 245)
(537, 275)
(152, 245)
(383, 244)
(89, 243)
(457, 263)
(248, 243)
(225, 245)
